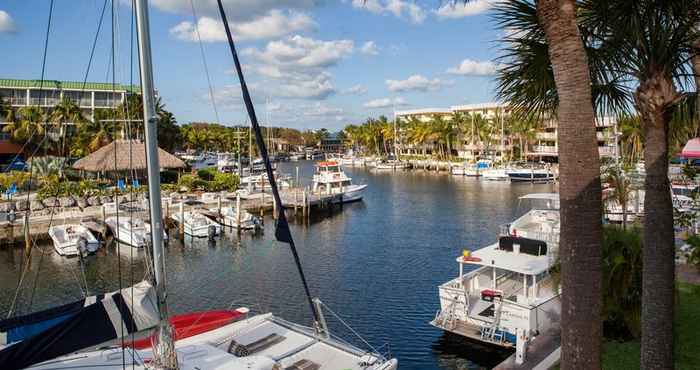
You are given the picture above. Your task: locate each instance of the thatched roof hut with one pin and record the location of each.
(105, 159)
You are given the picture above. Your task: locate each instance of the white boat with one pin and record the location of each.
(509, 295)
(196, 224)
(203, 160)
(530, 175)
(226, 163)
(330, 179)
(297, 157)
(392, 165)
(260, 342)
(495, 174)
(230, 217)
(129, 230)
(470, 169)
(73, 240)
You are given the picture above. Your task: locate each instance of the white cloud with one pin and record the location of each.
(385, 103)
(459, 9)
(470, 67)
(297, 65)
(416, 83)
(236, 10)
(369, 48)
(399, 8)
(6, 22)
(355, 90)
(276, 23)
(319, 109)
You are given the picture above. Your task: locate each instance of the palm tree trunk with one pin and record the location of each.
(579, 190)
(696, 72)
(658, 255)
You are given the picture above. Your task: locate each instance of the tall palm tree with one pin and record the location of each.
(632, 139)
(621, 190)
(560, 58)
(6, 112)
(651, 44)
(29, 127)
(66, 111)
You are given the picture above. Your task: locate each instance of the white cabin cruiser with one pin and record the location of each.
(495, 174)
(531, 175)
(203, 160)
(510, 294)
(73, 240)
(196, 224)
(470, 169)
(244, 221)
(330, 179)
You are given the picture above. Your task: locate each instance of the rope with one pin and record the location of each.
(351, 329)
(282, 231)
(204, 61)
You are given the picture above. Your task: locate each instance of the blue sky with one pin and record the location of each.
(316, 63)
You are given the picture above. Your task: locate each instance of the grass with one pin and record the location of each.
(625, 355)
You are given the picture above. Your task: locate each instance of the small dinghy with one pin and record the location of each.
(197, 224)
(229, 217)
(130, 231)
(73, 240)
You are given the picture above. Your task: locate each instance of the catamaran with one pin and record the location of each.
(330, 179)
(73, 240)
(509, 292)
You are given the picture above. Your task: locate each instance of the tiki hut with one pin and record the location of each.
(115, 157)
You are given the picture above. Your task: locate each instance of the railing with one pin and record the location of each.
(547, 135)
(548, 149)
(549, 237)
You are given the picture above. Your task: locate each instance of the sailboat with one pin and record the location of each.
(88, 334)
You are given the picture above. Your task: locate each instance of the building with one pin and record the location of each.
(89, 96)
(332, 143)
(544, 147)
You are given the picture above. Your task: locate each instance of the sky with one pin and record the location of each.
(308, 63)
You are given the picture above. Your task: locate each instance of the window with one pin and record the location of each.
(44, 97)
(14, 96)
(105, 99)
(82, 99)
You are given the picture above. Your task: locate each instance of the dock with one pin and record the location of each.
(300, 200)
(542, 353)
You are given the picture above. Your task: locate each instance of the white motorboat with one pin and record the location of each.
(392, 165)
(196, 224)
(203, 160)
(129, 230)
(226, 163)
(330, 179)
(230, 217)
(531, 175)
(509, 295)
(495, 174)
(73, 240)
(470, 169)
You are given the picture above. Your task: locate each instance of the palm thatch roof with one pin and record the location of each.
(115, 156)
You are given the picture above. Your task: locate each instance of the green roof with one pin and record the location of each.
(69, 85)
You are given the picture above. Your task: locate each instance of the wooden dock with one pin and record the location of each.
(303, 202)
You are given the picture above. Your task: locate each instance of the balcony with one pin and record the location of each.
(549, 136)
(545, 150)
(607, 151)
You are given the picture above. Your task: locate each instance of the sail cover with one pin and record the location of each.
(79, 325)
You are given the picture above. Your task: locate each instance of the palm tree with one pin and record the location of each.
(551, 28)
(651, 44)
(29, 127)
(66, 111)
(6, 111)
(632, 139)
(621, 190)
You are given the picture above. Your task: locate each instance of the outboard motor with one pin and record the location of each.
(82, 245)
(211, 231)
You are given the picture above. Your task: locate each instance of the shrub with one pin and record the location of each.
(207, 174)
(168, 177)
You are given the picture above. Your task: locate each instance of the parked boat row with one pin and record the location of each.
(485, 169)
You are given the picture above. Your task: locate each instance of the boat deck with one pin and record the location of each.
(469, 330)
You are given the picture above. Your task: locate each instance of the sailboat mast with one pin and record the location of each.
(167, 358)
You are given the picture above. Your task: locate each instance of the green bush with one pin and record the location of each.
(622, 282)
(207, 174)
(20, 178)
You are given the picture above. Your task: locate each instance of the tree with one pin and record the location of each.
(29, 128)
(621, 190)
(66, 111)
(6, 111)
(560, 59)
(650, 41)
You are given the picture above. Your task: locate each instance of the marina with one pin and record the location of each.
(347, 249)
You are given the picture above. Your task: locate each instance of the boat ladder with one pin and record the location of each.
(491, 333)
(449, 319)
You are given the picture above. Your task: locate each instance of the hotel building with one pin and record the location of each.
(543, 148)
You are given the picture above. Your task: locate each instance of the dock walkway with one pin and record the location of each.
(542, 353)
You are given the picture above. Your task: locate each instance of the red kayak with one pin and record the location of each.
(191, 324)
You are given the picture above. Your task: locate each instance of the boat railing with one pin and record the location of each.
(549, 237)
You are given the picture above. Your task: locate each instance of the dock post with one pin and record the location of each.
(218, 216)
(104, 221)
(181, 224)
(274, 209)
(297, 180)
(27, 237)
(262, 215)
(296, 200)
(303, 204)
(238, 212)
(308, 209)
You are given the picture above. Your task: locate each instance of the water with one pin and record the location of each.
(376, 263)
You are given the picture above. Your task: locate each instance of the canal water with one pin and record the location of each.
(376, 263)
